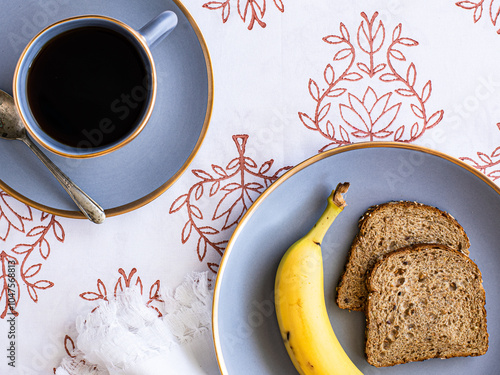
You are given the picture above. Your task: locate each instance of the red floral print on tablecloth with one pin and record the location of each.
(22, 263)
(235, 187)
(487, 162)
(480, 8)
(250, 11)
(369, 91)
(126, 281)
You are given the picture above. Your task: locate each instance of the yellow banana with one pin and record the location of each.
(300, 301)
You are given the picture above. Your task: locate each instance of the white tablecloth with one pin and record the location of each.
(291, 79)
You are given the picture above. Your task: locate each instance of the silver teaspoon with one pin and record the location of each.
(11, 127)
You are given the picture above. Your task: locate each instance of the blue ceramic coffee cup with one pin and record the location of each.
(53, 123)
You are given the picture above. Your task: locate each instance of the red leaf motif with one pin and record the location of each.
(154, 291)
(417, 111)
(13, 218)
(208, 230)
(389, 77)
(227, 203)
(32, 292)
(408, 42)
(494, 11)
(333, 39)
(201, 248)
(426, 91)
(484, 158)
(70, 346)
(58, 231)
(495, 175)
(232, 187)
(335, 93)
(363, 68)
(44, 248)
(329, 74)
(396, 33)
(279, 5)
(36, 231)
(202, 174)
(4, 227)
(307, 121)
(478, 12)
(90, 296)
(314, 89)
(353, 76)
(22, 249)
(102, 288)
(387, 118)
(213, 5)
(178, 203)
(353, 118)
(186, 231)
(397, 54)
(371, 101)
(379, 36)
(234, 215)
(198, 193)
(261, 7)
(344, 134)
(324, 111)
(43, 284)
(382, 134)
(219, 170)
(214, 267)
(254, 186)
(342, 54)
(196, 212)
(330, 130)
(411, 75)
(399, 133)
(414, 130)
(266, 166)
(226, 11)
(233, 164)
(496, 152)
(33, 270)
(214, 188)
(405, 92)
(435, 119)
(474, 163)
(344, 32)
(250, 162)
(467, 4)
(379, 68)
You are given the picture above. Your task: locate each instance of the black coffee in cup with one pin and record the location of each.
(88, 87)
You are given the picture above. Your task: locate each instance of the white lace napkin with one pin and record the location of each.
(124, 336)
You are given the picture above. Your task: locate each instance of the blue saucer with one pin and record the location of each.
(145, 168)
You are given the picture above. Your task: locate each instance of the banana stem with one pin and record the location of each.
(336, 204)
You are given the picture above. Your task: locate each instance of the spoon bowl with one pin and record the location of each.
(11, 127)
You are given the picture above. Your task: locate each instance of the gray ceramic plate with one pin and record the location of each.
(139, 172)
(245, 330)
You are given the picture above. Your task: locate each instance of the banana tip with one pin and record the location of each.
(338, 199)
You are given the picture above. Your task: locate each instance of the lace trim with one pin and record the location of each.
(123, 335)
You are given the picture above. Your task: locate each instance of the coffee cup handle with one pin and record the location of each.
(159, 27)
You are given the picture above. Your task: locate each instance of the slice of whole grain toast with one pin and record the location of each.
(388, 227)
(425, 301)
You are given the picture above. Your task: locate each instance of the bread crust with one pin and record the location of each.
(346, 282)
(373, 291)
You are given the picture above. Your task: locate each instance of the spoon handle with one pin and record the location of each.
(87, 205)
